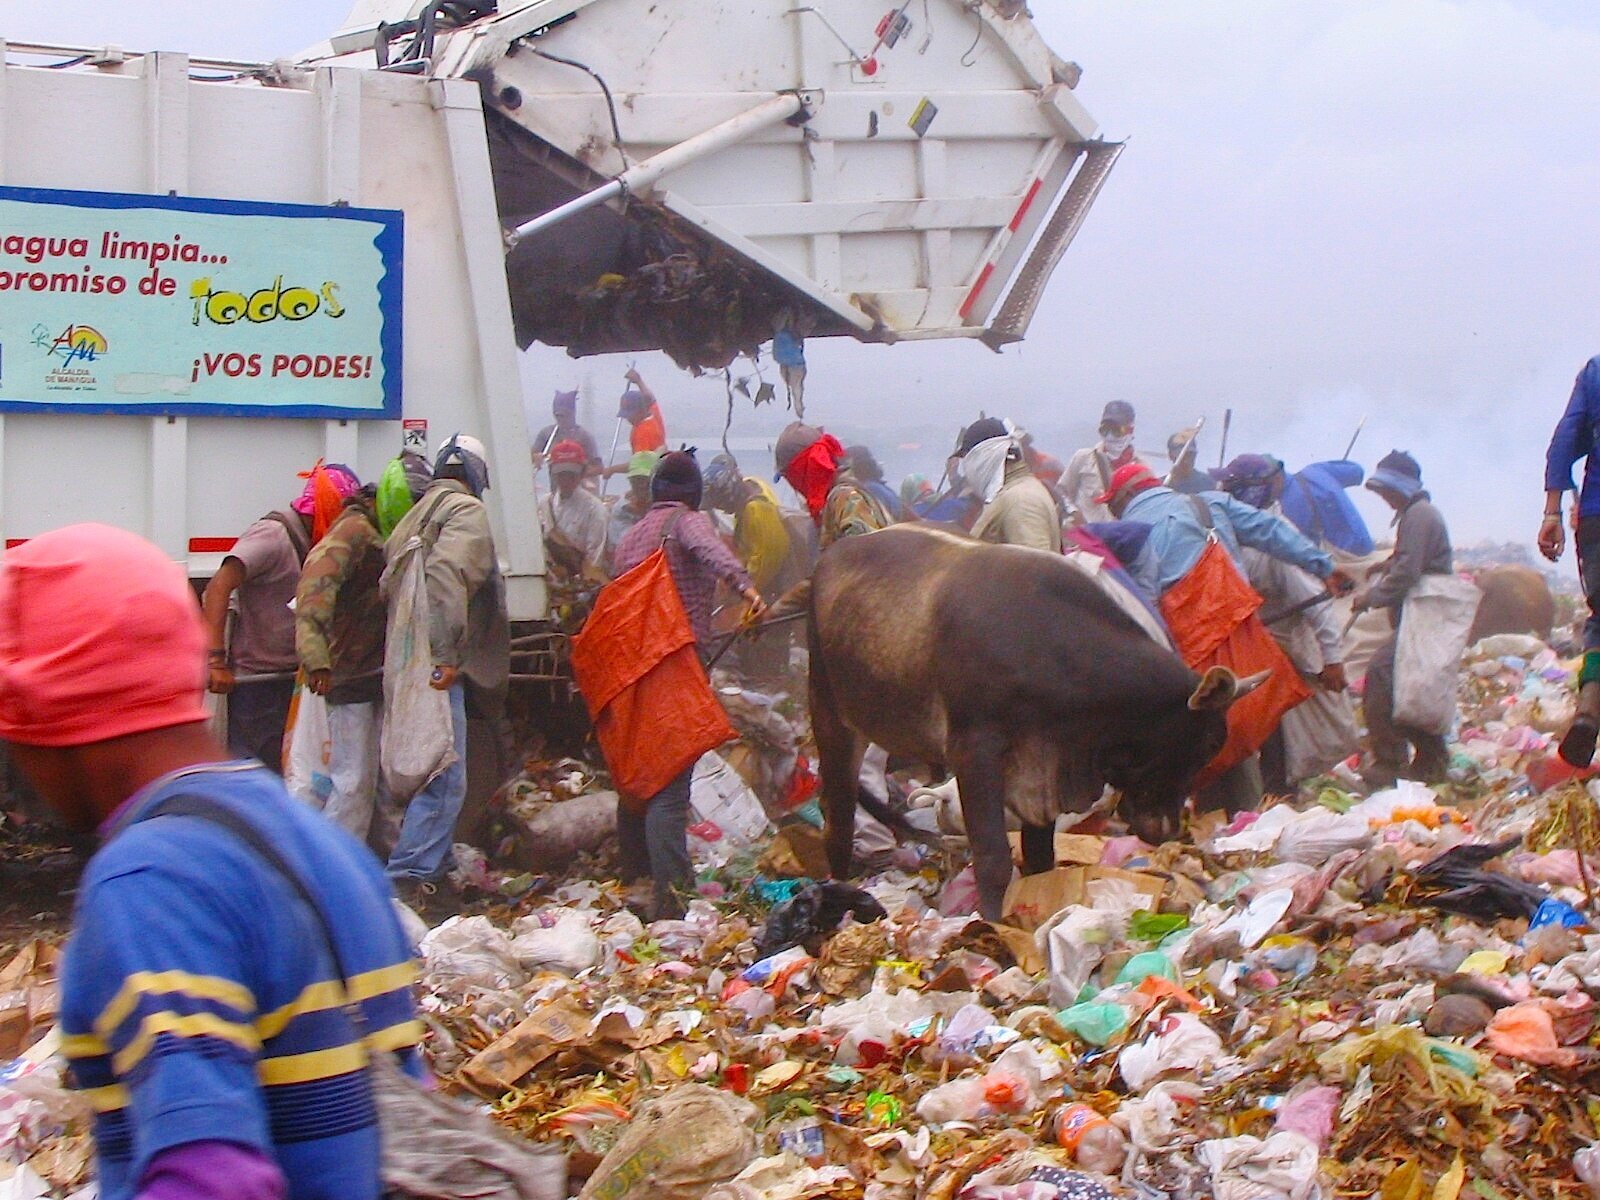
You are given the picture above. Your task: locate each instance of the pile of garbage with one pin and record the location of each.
(1386, 996)
(1339, 994)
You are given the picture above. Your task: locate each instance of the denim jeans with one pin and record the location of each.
(655, 844)
(1588, 540)
(257, 715)
(1391, 741)
(352, 766)
(430, 820)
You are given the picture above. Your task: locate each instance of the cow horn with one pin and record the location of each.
(1250, 683)
(1219, 687)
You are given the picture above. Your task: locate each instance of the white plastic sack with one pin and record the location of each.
(310, 748)
(418, 740)
(471, 950)
(1433, 635)
(1259, 835)
(1183, 1043)
(1075, 940)
(1319, 834)
(719, 795)
(1319, 733)
(569, 946)
(1283, 1167)
(1255, 920)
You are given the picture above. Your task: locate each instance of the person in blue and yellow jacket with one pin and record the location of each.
(202, 1011)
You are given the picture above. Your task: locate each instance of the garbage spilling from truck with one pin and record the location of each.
(1339, 994)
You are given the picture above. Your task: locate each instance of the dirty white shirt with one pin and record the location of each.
(581, 519)
(1088, 474)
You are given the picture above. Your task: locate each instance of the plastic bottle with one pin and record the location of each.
(1094, 1142)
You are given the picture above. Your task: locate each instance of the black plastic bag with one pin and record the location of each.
(816, 911)
(1457, 881)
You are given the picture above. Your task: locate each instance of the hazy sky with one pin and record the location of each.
(1328, 209)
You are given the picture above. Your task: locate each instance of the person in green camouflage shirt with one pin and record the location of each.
(340, 621)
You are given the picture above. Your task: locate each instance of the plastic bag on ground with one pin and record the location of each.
(1258, 918)
(1281, 1167)
(782, 1177)
(1527, 1032)
(1156, 1120)
(678, 1147)
(307, 750)
(1259, 835)
(1075, 940)
(815, 911)
(720, 797)
(471, 950)
(1182, 1042)
(1310, 1114)
(569, 945)
(1318, 834)
(1433, 634)
(418, 739)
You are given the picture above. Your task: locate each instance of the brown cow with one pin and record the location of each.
(1013, 669)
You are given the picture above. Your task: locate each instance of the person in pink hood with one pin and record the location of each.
(256, 583)
(217, 915)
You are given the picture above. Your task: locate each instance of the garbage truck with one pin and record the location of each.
(213, 273)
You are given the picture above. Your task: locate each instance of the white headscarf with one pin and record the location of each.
(984, 466)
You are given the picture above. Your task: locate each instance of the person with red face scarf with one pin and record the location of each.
(816, 466)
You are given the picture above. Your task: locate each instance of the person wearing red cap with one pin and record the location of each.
(183, 989)
(1179, 529)
(575, 519)
(565, 428)
(1182, 528)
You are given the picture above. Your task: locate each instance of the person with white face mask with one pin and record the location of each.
(1089, 471)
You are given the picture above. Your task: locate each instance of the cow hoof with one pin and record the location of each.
(1577, 747)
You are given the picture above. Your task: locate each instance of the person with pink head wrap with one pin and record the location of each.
(256, 583)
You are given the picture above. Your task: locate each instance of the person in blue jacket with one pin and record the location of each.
(1314, 500)
(1574, 438)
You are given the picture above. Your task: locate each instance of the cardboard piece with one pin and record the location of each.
(546, 1031)
(28, 997)
(1034, 899)
(1023, 948)
(1072, 849)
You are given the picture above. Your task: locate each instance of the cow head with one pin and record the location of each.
(1155, 769)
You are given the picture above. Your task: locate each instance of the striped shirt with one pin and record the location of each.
(199, 999)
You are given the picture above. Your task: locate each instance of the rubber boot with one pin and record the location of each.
(1577, 746)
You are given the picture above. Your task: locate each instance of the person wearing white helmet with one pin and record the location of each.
(470, 639)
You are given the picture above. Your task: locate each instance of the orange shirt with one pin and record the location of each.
(650, 433)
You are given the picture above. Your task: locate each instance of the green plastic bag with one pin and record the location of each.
(1096, 1024)
(1141, 966)
(394, 496)
(1146, 926)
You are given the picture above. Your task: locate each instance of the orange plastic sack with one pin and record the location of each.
(653, 709)
(1212, 614)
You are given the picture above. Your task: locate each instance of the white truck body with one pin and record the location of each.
(751, 170)
(364, 138)
(941, 168)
